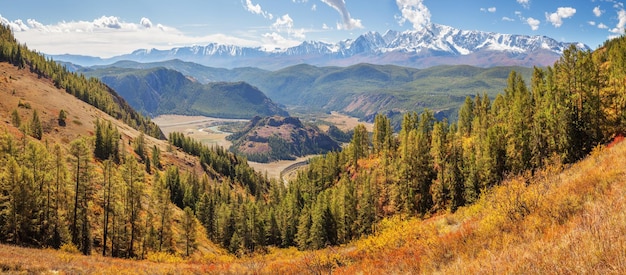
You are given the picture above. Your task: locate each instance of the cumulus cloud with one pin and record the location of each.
(602, 26)
(349, 23)
(274, 40)
(533, 23)
(108, 36)
(504, 18)
(524, 3)
(110, 22)
(597, 11)
(145, 22)
(556, 18)
(491, 9)
(283, 24)
(256, 9)
(413, 11)
(619, 28)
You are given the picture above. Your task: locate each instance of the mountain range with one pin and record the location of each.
(360, 90)
(432, 45)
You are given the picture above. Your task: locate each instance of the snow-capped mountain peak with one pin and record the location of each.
(432, 45)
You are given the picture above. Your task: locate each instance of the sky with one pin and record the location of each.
(114, 27)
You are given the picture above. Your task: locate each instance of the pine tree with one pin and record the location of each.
(189, 231)
(79, 228)
(134, 180)
(36, 130)
(15, 119)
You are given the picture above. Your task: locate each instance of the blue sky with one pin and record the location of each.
(113, 27)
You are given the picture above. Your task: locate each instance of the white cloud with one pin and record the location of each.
(591, 23)
(110, 22)
(524, 3)
(314, 7)
(283, 23)
(597, 11)
(109, 36)
(145, 22)
(325, 27)
(256, 9)
(619, 28)
(561, 13)
(274, 40)
(491, 9)
(602, 26)
(413, 11)
(533, 23)
(504, 18)
(349, 23)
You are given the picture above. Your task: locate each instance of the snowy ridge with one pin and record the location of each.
(433, 45)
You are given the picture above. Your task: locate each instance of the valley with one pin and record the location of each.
(207, 130)
(201, 128)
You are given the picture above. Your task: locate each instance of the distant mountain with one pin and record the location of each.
(361, 90)
(280, 138)
(433, 45)
(159, 90)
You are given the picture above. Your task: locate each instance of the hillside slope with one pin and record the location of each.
(561, 220)
(280, 138)
(158, 91)
(20, 87)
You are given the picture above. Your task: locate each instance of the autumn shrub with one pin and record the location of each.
(164, 257)
(70, 248)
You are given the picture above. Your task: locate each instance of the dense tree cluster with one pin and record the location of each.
(50, 197)
(91, 90)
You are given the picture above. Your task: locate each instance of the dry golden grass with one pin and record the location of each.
(555, 222)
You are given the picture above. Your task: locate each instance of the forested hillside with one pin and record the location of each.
(76, 178)
(281, 138)
(84, 181)
(431, 166)
(160, 91)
